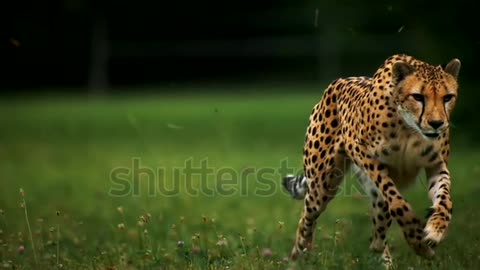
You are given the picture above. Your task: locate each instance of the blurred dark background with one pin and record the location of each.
(86, 45)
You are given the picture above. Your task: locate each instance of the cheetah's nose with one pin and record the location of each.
(435, 123)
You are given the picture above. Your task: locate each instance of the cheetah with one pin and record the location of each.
(388, 128)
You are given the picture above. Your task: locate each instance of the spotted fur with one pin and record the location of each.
(387, 127)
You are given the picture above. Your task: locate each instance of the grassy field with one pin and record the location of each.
(189, 181)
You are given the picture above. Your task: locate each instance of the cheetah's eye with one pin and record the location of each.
(418, 97)
(448, 98)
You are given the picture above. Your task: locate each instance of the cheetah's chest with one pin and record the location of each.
(405, 157)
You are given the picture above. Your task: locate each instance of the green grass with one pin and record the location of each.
(63, 151)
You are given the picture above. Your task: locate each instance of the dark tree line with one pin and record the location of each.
(97, 44)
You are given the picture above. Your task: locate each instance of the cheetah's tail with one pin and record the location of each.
(296, 186)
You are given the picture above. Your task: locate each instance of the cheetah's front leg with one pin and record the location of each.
(381, 218)
(399, 208)
(441, 210)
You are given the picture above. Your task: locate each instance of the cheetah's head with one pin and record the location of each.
(426, 95)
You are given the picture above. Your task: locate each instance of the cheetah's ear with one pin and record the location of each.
(401, 70)
(453, 68)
